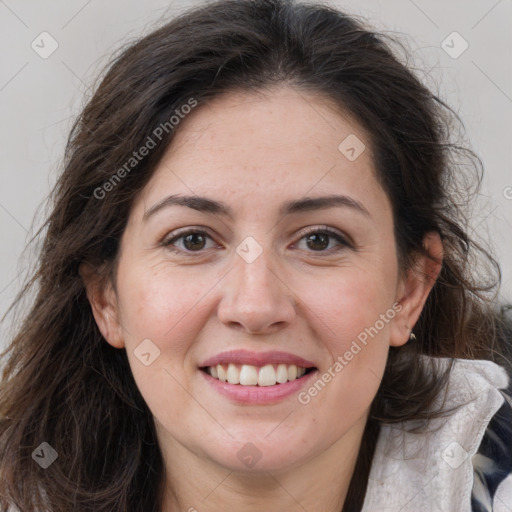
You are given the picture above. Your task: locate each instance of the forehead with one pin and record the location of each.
(283, 141)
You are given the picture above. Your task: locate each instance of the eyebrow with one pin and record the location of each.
(307, 204)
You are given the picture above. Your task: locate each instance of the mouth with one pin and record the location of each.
(262, 376)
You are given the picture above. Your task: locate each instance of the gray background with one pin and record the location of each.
(40, 97)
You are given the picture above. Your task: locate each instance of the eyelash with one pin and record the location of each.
(343, 243)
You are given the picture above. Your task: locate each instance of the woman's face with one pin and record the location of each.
(256, 287)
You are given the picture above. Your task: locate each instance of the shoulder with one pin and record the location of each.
(453, 460)
(492, 464)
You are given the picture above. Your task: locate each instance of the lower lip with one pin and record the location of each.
(258, 394)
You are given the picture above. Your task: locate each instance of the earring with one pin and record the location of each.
(412, 336)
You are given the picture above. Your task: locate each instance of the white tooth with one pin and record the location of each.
(233, 374)
(221, 373)
(292, 372)
(213, 372)
(248, 375)
(267, 376)
(282, 373)
(300, 371)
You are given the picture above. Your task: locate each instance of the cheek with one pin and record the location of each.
(167, 310)
(350, 303)
(353, 318)
(162, 305)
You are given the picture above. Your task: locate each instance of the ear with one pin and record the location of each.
(413, 290)
(103, 300)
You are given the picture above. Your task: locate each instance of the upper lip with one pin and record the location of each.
(240, 357)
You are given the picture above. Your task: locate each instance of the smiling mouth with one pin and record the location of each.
(249, 375)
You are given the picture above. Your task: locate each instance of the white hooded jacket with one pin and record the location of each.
(463, 463)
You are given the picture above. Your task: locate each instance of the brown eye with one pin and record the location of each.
(189, 241)
(318, 241)
(194, 241)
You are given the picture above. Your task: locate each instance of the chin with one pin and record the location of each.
(258, 454)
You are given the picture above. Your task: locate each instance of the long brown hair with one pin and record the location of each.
(64, 385)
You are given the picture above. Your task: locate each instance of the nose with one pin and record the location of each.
(255, 297)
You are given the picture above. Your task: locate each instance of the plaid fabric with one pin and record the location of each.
(492, 464)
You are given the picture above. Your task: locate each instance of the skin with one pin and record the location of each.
(254, 152)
